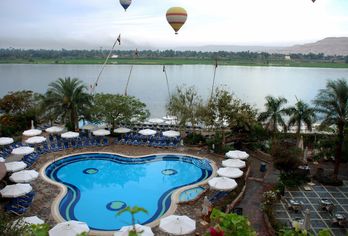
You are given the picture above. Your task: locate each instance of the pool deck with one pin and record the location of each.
(46, 192)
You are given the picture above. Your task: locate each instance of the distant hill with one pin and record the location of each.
(328, 46)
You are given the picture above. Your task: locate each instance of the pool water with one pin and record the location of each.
(100, 185)
(191, 194)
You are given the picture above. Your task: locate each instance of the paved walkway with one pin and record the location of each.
(257, 183)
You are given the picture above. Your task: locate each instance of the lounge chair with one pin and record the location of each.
(15, 210)
(217, 196)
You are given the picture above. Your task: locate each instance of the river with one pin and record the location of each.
(147, 82)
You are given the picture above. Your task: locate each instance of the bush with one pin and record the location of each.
(293, 179)
(194, 139)
(231, 224)
(287, 157)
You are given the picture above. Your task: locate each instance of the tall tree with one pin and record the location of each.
(69, 100)
(332, 102)
(299, 114)
(273, 116)
(116, 108)
(219, 107)
(185, 104)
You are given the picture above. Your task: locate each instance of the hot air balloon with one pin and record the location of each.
(125, 3)
(176, 17)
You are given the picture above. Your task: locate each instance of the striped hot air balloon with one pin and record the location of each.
(176, 17)
(125, 3)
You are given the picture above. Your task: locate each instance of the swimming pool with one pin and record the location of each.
(100, 184)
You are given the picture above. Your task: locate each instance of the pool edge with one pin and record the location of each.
(174, 197)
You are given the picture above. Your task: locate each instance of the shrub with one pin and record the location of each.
(231, 224)
(293, 179)
(287, 157)
(194, 139)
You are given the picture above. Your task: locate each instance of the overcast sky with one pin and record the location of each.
(96, 23)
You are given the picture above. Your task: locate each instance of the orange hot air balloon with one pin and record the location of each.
(176, 17)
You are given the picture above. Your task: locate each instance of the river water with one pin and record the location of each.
(148, 83)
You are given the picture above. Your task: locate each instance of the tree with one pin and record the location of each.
(133, 210)
(20, 108)
(301, 113)
(332, 102)
(116, 108)
(274, 113)
(224, 111)
(185, 105)
(68, 99)
(218, 111)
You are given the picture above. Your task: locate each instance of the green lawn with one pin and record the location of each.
(181, 61)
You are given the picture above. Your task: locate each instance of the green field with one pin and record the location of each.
(181, 61)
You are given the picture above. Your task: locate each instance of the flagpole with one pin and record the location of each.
(130, 72)
(118, 39)
(212, 88)
(165, 72)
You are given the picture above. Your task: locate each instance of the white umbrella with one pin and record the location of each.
(171, 122)
(222, 183)
(122, 130)
(35, 140)
(140, 229)
(156, 120)
(32, 132)
(101, 132)
(23, 151)
(24, 176)
(6, 141)
(31, 220)
(70, 135)
(230, 172)
(15, 166)
(237, 155)
(147, 132)
(54, 130)
(69, 228)
(235, 163)
(177, 225)
(89, 127)
(16, 190)
(169, 118)
(171, 134)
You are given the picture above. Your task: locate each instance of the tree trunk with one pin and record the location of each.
(298, 132)
(223, 137)
(339, 147)
(72, 119)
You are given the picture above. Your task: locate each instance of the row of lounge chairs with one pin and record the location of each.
(6, 150)
(20, 205)
(152, 141)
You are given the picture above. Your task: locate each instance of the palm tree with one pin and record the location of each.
(332, 102)
(301, 113)
(274, 113)
(68, 99)
(132, 210)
